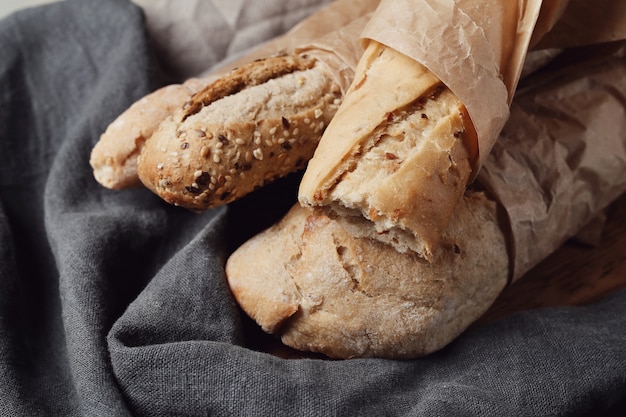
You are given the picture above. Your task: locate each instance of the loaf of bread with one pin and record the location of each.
(114, 157)
(255, 124)
(399, 152)
(312, 282)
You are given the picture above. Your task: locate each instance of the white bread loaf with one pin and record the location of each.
(398, 152)
(318, 287)
(255, 124)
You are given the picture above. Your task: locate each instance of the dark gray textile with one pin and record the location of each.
(113, 303)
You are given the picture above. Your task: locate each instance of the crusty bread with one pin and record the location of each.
(313, 283)
(398, 152)
(114, 157)
(255, 124)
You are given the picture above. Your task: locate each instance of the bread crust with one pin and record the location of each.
(317, 286)
(396, 152)
(258, 123)
(114, 157)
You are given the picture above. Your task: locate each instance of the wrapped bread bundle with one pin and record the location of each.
(324, 280)
(369, 279)
(319, 283)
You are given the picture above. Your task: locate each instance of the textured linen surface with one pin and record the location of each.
(113, 303)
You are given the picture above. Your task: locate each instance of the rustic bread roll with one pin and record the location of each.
(399, 152)
(259, 122)
(114, 157)
(311, 282)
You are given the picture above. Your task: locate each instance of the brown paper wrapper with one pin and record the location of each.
(561, 157)
(476, 48)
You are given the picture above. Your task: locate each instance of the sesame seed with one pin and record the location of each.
(258, 154)
(160, 165)
(240, 141)
(281, 141)
(318, 113)
(256, 133)
(248, 156)
(257, 140)
(296, 131)
(204, 151)
(216, 158)
(268, 142)
(272, 130)
(219, 145)
(285, 133)
(307, 121)
(197, 174)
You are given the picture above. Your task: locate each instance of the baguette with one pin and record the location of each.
(312, 282)
(399, 152)
(255, 124)
(114, 157)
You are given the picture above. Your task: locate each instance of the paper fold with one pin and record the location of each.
(476, 48)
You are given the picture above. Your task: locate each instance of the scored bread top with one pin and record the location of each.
(255, 124)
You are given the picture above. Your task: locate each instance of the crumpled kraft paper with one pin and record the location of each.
(476, 48)
(561, 157)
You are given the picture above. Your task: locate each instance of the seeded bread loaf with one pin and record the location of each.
(255, 124)
(399, 152)
(114, 157)
(317, 286)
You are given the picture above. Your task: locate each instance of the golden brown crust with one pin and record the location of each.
(395, 153)
(252, 126)
(255, 73)
(358, 297)
(114, 157)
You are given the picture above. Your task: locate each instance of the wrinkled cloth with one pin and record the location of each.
(113, 303)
